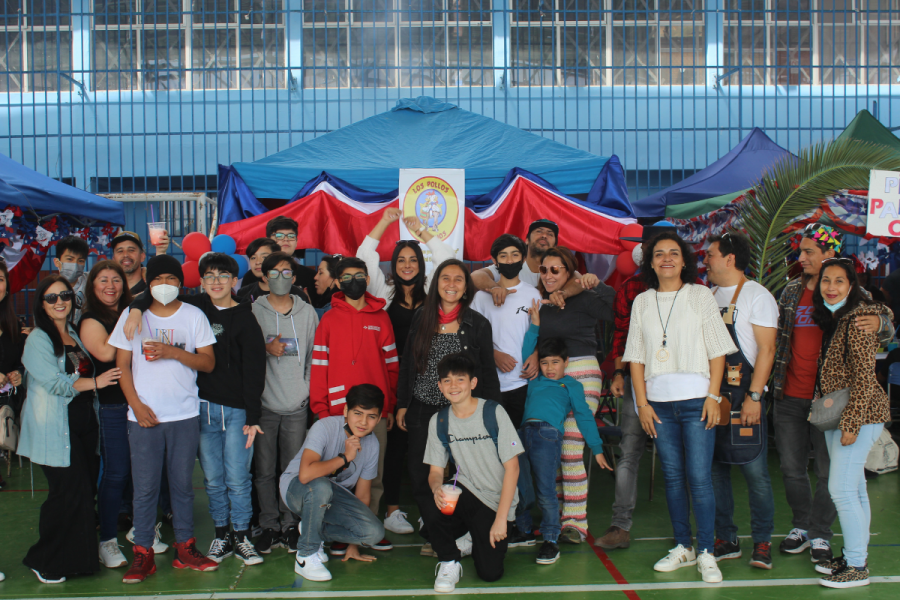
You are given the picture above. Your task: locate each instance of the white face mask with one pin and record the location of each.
(164, 293)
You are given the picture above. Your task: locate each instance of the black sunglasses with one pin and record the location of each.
(838, 259)
(65, 296)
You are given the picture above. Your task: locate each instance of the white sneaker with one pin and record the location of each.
(448, 575)
(708, 568)
(678, 557)
(110, 555)
(2, 576)
(464, 544)
(43, 579)
(159, 547)
(421, 524)
(323, 556)
(397, 523)
(311, 568)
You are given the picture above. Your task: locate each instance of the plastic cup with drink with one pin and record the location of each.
(145, 349)
(451, 497)
(157, 230)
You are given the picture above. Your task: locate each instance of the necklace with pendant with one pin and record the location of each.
(662, 355)
(443, 327)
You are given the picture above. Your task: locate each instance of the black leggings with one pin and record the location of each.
(417, 418)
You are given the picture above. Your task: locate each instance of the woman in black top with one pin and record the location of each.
(11, 344)
(443, 325)
(576, 325)
(105, 297)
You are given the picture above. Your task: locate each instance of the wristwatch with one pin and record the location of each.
(754, 396)
(718, 399)
(342, 455)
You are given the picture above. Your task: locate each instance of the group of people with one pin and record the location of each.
(485, 382)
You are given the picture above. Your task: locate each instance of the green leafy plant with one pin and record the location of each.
(794, 188)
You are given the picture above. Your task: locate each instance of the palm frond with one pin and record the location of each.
(795, 188)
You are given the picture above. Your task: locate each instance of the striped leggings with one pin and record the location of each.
(571, 482)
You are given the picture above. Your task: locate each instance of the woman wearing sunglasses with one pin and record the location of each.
(59, 432)
(576, 325)
(403, 293)
(847, 360)
(106, 296)
(444, 325)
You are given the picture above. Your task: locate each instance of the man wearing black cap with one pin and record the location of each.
(128, 250)
(159, 380)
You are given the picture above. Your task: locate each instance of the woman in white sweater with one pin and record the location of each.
(404, 293)
(677, 342)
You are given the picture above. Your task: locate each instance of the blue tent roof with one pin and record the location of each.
(422, 133)
(29, 190)
(738, 170)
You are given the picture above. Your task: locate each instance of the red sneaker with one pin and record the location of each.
(188, 557)
(143, 566)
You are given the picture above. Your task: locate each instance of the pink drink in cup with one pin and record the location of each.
(144, 347)
(156, 232)
(451, 497)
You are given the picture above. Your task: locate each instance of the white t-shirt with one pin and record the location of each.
(509, 323)
(168, 387)
(755, 306)
(525, 274)
(672, 387)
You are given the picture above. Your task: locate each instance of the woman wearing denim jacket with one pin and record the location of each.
(59, 432)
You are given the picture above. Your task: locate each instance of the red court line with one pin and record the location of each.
(616, 575)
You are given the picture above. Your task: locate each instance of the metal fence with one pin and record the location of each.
(128, 96)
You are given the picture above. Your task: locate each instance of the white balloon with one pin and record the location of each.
(637, 255)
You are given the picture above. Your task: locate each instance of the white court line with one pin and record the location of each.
(558, 589)
(743, 537)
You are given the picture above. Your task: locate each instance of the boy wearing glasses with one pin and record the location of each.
(284, 231)
(229, 404)
(288, 327)
(354, 345)
(252, 285)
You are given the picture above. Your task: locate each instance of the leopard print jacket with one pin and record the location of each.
(868, 401)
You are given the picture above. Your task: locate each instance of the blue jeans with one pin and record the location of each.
(847, 485)
(762, 502)
(331, 513)
(174, 445)
(225, 461)
(543, 447)
(116, 475)
(685, 450)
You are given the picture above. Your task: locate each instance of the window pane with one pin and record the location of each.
(423, 56)
(745, 47)
(633, 10)
(634, 56)
(262, 59)
(162, 11)
(115, 12)
(873, 6)
(793, 55)
(882, 50)
(11, 70)
(49, 12)
(49, 53)
(213, 11)
(372, 50)
(580, 56)
(324, 11)
(214, 58)
(680, 10)
(580, 10)
(262, 11)
(12, 13)
(115, 60)
(425, 11)
(839, 50)
(373, 11)
(470, 47)
(469, 10)
(325, 58)
(681, 48)
(836, 11)
(532, 56)
(162, 64)
(745, 10)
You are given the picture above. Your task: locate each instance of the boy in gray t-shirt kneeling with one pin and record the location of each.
(485, 447)
(329, 481)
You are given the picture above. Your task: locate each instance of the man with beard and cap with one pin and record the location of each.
(128, 250)
(634, 440)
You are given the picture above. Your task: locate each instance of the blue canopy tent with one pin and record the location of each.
(738, 170)
(421, 133)
(41, 195)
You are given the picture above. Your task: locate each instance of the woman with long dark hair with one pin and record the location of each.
(677, 342)
(443, 325)
(59, 432)
(106, 296)
(847, 360)
(404, 292)
(576, 325)
(11, 346)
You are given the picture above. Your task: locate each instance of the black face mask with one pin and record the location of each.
(510, 270)
(354, 289)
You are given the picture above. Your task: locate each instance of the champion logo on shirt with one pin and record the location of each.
(372, 327)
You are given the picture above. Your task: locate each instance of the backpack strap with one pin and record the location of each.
(489, 415)
(443, 428)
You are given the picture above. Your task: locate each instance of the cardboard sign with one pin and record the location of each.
(437, 198)
(884, 204)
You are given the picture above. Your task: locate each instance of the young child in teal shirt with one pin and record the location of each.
(551, 397)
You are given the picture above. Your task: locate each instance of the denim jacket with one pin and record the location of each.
(45, 415)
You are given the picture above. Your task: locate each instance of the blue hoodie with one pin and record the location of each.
(550, 400)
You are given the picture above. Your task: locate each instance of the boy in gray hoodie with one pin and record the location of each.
(289, 327)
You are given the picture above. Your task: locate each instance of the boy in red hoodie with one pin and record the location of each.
(354, 344)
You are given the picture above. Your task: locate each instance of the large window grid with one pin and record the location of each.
(607, 42)
(36, 38)
(188, 44)
(390, 43)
